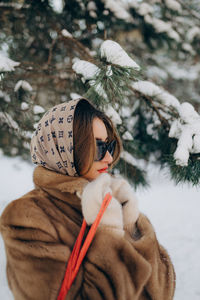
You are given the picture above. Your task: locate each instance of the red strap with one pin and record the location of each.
(78, 255)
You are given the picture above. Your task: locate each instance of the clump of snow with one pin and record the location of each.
(156, 72)
(150, 89)
(109, 71)
(75, 96)
(85, 68)
(173, 5)
(24, 85)
(127, 136)
(187, 47)
(5, 96)
(99, 89)
(66, 33)
(186, 129)
(119, 9)
(37, 109)
(91, 5)
(162, 26)
(127, 157)
(192, 33)
(113, 114)
(145, 9)
(114, 54)
(7, 64)
(24, 106)
(176, 72)
(93, 14)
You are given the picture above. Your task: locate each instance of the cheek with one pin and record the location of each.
(92, 173)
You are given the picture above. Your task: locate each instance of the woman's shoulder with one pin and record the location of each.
(25, 212)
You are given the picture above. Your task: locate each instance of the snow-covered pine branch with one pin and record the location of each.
(24, 85)
(186, 129)
(85, 68)
(7, 64)
(113, 53)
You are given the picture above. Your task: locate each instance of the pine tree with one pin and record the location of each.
(80, 50)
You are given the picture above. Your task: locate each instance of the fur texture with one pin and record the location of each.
(40, 229)
(125, 195)
(91, 200)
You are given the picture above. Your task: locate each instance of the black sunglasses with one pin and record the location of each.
(103, 147)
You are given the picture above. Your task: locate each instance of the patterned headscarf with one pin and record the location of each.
(52, 143)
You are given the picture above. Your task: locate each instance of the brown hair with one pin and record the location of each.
(84, 144)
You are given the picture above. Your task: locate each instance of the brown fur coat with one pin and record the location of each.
(40, 229)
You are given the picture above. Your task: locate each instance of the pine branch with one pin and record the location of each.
(150, 102)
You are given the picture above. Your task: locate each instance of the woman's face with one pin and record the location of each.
(98, 167)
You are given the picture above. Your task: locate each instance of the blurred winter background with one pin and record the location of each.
(140, 62)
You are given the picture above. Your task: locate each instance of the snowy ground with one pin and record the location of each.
(174, 212)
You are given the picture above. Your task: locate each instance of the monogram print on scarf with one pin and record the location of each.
(52, 144)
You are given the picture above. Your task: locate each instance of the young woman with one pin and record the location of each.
(74, 146)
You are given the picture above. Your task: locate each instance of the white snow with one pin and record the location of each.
(37, 109)
(85, 68)
(91, 5)
(66, 33)
(127, 157)
(114, 54)
(24, 85)
(173, 5)
(6, 118)
(162, 26)
(127, 136)
(7, 64)
(145, 9)
(192, 33)
(24, 106)
(119, 8)
(173, 211)
(5, 96)
(113, 114)
(75, 96)
(151, 89)
(186, 130)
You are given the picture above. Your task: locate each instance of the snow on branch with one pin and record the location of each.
(85, 68)
(137, 163)
(7, 64)
(114, 54)
(113, 115)
(5, 118)
(66, 33)
(24, 85)
(119, 9)
(186, 129)
(173, 5)
(150, 89)
(4, 96)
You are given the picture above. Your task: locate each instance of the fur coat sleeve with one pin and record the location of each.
(39, 241)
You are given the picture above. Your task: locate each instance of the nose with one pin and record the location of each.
(108, 158)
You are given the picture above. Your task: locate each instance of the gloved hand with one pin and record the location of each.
(123, 192)
(91, 200)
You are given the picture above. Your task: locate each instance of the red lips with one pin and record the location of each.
(103, 170)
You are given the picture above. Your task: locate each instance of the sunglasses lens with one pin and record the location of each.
(111, 147)
(103, 147)
(101, 150)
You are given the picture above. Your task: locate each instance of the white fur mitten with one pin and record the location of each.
(123, 192)
(91, 200)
